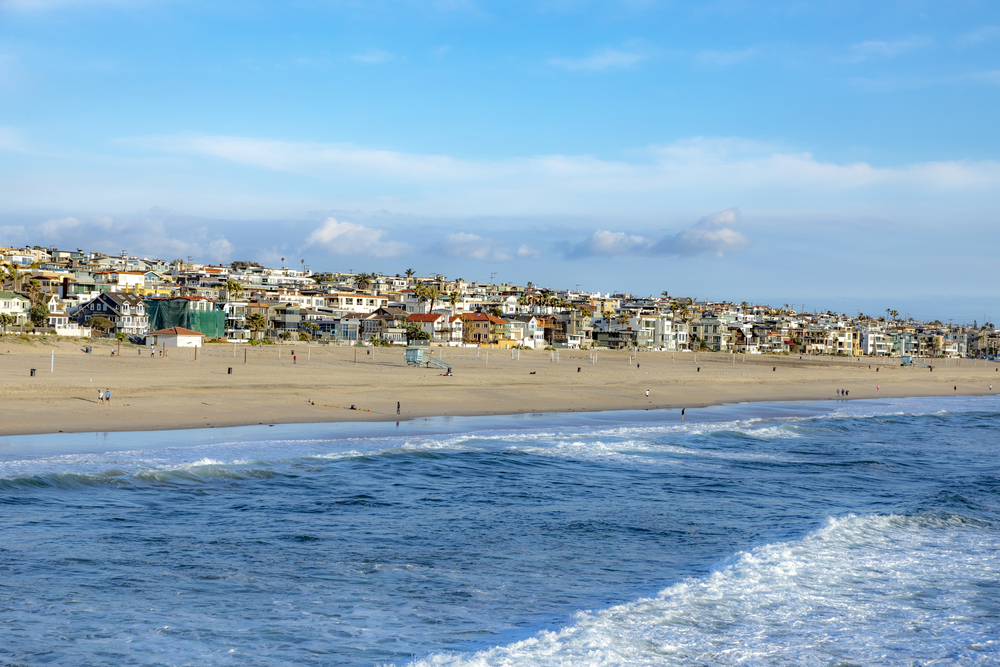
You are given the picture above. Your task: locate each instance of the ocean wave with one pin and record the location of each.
(860, 590)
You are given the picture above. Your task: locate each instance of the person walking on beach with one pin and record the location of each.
(647, 393)
(100, 395)
(682, 414)
(397, 407)
(107, 396)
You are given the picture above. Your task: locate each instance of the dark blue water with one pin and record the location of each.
(851, 533)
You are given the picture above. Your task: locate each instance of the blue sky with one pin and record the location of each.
(838, 154)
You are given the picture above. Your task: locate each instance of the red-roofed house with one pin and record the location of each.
(484, 329)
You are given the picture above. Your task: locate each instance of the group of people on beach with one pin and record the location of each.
(843, 392)
(104, 396)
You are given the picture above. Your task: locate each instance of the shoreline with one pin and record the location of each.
(180, 392)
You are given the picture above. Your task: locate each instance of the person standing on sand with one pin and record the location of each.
(107, 396)
(100, 395)
(397, 407)
(647, 393)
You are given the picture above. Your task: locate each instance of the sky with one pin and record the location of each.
(836, 155)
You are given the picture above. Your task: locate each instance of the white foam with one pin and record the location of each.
(869, 590)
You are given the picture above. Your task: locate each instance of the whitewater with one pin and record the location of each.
(830, 533)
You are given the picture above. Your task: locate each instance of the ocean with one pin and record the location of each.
(829, 533)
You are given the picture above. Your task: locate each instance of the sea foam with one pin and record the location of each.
(888, 590)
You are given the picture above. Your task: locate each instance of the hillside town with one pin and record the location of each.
(48, 291)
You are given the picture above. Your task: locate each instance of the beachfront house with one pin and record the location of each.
(126, 312)
(15, 306)
(175, 337)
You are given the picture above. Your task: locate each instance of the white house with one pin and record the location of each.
(16, 305)
(175, 337)
(123, 280)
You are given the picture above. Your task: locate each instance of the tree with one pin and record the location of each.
(257, 323)
(101, 324)
(6, 320)
(121, 335)
(409, 274)
(453, 298)
(242, 266)
(313, 328)
(416, 332)
(234, 290)
(13, 276)
(34, 290)
(363, 281)
(39, 314)
(428, 293)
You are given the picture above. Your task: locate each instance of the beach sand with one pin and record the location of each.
(152, 393)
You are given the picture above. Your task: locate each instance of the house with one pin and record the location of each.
(120, 280)
(525, 330)
(435, 324)
(484, 329)
(126, 312)
(286, 318)
(387, 324)
(175, 337)
(16, 306)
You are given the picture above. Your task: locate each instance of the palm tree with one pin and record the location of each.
(14, 276)
(409, 274)
(453, 298)
(256, 322)
(234, 290)
(34, 290)
(282, 262)
(363, 281)
(429, 293)
(665, 294)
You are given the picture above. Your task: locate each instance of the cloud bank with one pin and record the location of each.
(714, 234)
(348, 238)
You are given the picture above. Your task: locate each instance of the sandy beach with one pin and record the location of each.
(321, 385)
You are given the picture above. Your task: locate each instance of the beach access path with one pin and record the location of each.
(179, 391)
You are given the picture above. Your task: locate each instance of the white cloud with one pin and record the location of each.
(348, 238)
(986, 33)
(527, 252)
(725, 58)
(877, 48)
(991, 77)
(373, 56)
(53, 229)
(467, 245)
(599, 61)
(12, 235)
(714, 234)
(679, 177)
(609, 244)
(220, 249)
